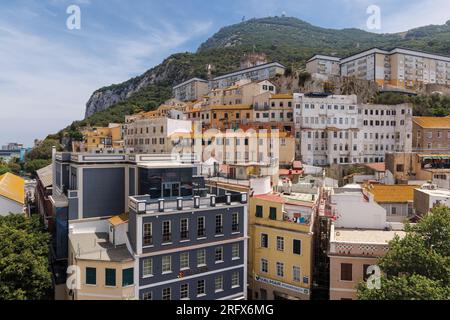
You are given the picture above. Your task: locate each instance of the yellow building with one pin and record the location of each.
(281, 246)
(101, 139)
(104, 268)
(12, 194)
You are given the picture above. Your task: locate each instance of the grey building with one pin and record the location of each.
(190, 249)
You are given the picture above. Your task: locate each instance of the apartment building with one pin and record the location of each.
(431, 134)
(100, 139)
(153, 135)
(42, 193)
(190, 249)
(275, 109)
(399, 67)
(333, 129)
(105, 266)
(359, 236)
(260, 72)
(326, 127)
(429, 196)
(190, 90)
(281, 245)
(324, 65)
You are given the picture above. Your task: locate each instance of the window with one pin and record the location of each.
(167, 264)
(201, 231)
(393, 210)
(280, 269)
(264, 240)
(147, 267)
(235, 222)
(148, 238)
(219, 224)
(167, 294)
(184, 291)
(297, 247)
(346, 272)
(110, 277)
(264, 266)
(91, 276)
(201, 287)
(259, 212)
(127, 277)
(296, 274)
(218, 284)
(184, 228)
(218, 255)
(280, 243)
(147, 296)
(184, 260)
(201, 257)
(273, 214)
(235, 251)
(166, 229)
(235, 280)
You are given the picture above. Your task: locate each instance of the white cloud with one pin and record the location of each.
(45, 81)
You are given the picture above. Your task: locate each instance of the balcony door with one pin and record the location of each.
(171, 189)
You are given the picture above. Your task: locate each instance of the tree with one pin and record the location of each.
(43, 150)
(33, 165)
(418, 265)
(24, 266)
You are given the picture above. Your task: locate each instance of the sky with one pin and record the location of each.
(48, 72)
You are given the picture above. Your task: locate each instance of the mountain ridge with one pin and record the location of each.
(288, 40)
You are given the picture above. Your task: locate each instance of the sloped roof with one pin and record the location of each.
(118, 220)
(379, 166)
(12, 187)
(432, 122)
(46, 175)
(392, 193)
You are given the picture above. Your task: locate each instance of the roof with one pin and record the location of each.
(432, 122)
(379, 166)
(12, 187)
(45, 175)
(118, 220)
(189, 81)
(231, 107)
(96, 246)
(392, 193)
(258, 67)
(270, 197)
(365, 236)
(282, 96)
(324, 57)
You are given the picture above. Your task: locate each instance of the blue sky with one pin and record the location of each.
(47, 72)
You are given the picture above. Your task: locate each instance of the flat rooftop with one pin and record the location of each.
(436, 192)
(96, 246)
(365, 236)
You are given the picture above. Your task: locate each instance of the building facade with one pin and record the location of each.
(190, 90)
(431, 134)
(399, 67)
(190, 249)
(325, 65)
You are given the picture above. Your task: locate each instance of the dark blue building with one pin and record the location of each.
(191, 248)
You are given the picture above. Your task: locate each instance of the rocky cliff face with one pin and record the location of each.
(169, 72)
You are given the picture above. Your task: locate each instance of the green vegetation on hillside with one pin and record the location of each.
(436, 105)
(24, 265)
(416, 267)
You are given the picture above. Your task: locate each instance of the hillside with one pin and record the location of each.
(288, 40)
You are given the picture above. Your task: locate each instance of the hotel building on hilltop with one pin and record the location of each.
(399, 67)
(322, 64)
(190, 90)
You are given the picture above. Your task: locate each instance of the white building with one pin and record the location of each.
(153, 135)
(256, 73)
(353, 209)
(322, 64)
(429, 196)
(190, 90)
(335, 129)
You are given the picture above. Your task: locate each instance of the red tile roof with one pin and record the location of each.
(379, 166)
(270, 197)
